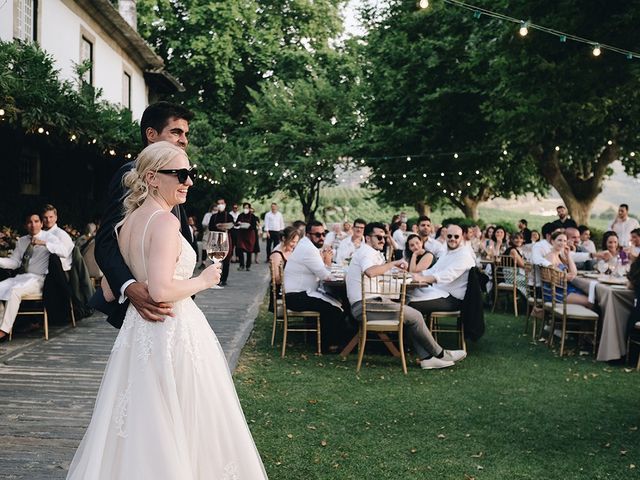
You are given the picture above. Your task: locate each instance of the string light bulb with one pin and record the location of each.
(524, 28)
(423, 4)
(596, 50)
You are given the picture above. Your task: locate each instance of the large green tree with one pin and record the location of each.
(427, 95)
(570, 112)
(223, 49)
(298, 133)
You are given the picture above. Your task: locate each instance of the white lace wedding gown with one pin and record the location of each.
(167, 407)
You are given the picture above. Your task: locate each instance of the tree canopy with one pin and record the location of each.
(444, 82)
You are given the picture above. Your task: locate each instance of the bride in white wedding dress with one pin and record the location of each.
(167, 407)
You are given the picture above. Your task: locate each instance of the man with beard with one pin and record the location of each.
(306, 267)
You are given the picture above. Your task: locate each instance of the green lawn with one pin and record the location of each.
(512, 410)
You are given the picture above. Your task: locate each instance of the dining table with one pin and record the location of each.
(615, 301)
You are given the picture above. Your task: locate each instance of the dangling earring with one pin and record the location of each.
(154, 189)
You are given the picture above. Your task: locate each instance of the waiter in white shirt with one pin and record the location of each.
(368, 259)
(273, 225)
(50, 224)
(624, 224)
(306, 267)
(447, 279)
(31, 256)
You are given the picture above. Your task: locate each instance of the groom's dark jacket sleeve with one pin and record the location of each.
(107, 251)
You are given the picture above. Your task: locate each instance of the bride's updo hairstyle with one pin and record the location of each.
(154, 157)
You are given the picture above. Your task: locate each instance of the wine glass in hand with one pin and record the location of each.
(217, 246)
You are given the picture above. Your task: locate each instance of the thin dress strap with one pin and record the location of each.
(144, 234)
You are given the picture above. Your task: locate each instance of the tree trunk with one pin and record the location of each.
(470, 208)
(578, 194)
(422, 208)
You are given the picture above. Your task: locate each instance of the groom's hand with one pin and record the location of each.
(138, 295)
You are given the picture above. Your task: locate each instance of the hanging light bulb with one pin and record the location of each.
(524, 30)
(423, 4)
(596, 50)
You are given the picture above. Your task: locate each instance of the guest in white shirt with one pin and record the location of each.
(49, 224)
(634, 244)
(585, 239)
(333, 238)
(400, 237)
(624, 224)
(369, 260)
(306, 267)
(447, 279)
(273, 226)
(207, 217)
(350, 244)
(31, 255)
(542, 248)
(425, 229)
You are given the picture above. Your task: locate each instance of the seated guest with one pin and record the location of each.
(585, 239)
(399, 232)
(281, 252)
(542, 247)
(49, 224)
(634, 284)
(425, 229)
(472, 239)
(515, 249)
(581, 257)
(368, 259)
(560, 258)
(306, 267)
(610, 246)
(535, 236)
(333, 238)
(31, 259)
(498, 243)
(417, 257)
(447, 279)
(350, 244)
(634, 244)
(486, 241)
(279, 256)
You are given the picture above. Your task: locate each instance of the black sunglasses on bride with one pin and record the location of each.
(182, 173)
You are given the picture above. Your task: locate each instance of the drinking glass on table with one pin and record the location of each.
(217, 246)
(602, 267)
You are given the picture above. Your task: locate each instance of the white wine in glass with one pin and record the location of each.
(217, 245)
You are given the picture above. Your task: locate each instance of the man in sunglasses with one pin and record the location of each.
(161, 121)
(368, 259)
(306, 267)
(446, 281)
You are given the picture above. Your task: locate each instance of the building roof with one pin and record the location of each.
(108, 17)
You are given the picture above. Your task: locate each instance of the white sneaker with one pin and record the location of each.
(217, 287)
(433, 362)
(454, 355)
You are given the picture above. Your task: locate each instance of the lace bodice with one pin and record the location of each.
(186, 261)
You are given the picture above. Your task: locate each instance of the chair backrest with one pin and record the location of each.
(282, 291)
(504, 270)
(530, 280)
(389, 286)
(275, 286)
(559, 281)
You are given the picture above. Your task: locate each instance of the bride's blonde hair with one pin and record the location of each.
(153, 158)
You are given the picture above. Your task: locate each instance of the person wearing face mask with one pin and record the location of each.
(248, 227)
(220, 221)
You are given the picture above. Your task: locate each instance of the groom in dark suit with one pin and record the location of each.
(160, 121)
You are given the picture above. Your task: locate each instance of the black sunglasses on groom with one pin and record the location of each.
(182, 173)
